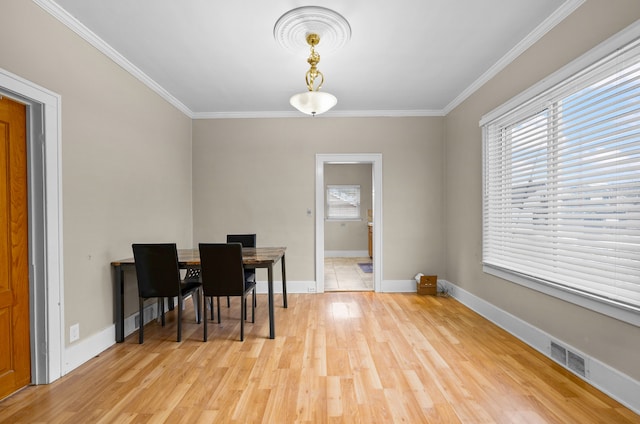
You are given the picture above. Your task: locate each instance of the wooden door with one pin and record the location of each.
(15, 356)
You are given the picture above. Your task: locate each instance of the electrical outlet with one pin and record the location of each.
(74, 333)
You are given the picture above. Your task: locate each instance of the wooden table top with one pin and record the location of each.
(256, 256)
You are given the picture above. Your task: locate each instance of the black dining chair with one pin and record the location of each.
(222, 274)
(246, 240)
(158, 276)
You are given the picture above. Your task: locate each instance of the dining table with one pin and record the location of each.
(252, 257)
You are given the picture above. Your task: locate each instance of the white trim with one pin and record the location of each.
(53, 217)
(606, 47)
(375, 159)
(621, 313)
(346, 253)
(79, 28)
(610, 381)
(558, 16)
(299, 287)
(87, 348)
(89, 36)
(398, 286)
(306, 287)
(331, 114)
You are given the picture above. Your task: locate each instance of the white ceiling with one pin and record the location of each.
(219, 58)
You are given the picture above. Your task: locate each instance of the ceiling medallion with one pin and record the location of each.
(292, 28)
(303, 28)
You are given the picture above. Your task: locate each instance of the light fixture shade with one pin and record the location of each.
(313, 102)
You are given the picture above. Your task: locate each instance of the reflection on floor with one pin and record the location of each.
(344, 274)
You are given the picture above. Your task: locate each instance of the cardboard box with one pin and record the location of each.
(428, 285)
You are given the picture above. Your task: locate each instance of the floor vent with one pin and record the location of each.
(570, 360)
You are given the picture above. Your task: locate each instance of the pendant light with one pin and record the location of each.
(313, 102)
(303, 27)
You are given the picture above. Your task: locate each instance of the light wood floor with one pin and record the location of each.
(344, 274)
(358, 357)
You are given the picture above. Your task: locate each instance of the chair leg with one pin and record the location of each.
(211, 306)
(162, 311)
(243, 314)
(219, 311)
(141, 329)
(195, 296)
(204, 308)
(180, 300)
(253, 307)
(228, 302)
(245, 308)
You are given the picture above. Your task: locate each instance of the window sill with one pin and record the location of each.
(620, 312)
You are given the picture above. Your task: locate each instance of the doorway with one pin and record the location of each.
(348, 262)
(375, 161)
(45, 224)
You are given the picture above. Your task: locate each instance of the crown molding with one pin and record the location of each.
(330, 114)
(558, 16)
(76, 26)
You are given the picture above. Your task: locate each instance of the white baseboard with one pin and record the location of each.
(406, 286)
(292, 287)
(84, 349)
(398, 286)
(346, 253)
(610, 381)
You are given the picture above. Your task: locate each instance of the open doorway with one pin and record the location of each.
(348, 260)
(358, 252)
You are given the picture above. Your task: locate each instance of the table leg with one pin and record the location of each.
(272, 324)
(284, 283)
(119, 293)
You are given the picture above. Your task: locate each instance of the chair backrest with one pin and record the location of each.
(246, 240)
(192, 275)
(157, 269)
(221, 267)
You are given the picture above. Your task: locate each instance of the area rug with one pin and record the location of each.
(366, 267)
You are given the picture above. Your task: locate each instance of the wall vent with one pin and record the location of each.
(577, 364)
(568, 359)
(559, 353)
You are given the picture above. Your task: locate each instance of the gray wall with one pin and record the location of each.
(345, 236)
(258, 175)
(609, 340)
(126, 158)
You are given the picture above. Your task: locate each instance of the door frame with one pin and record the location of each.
(45, 224)
(375, 159)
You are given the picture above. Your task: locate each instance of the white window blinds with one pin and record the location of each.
(343, 202)
(561, 201)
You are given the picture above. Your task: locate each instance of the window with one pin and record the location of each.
(343, 202)
(561, 200)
